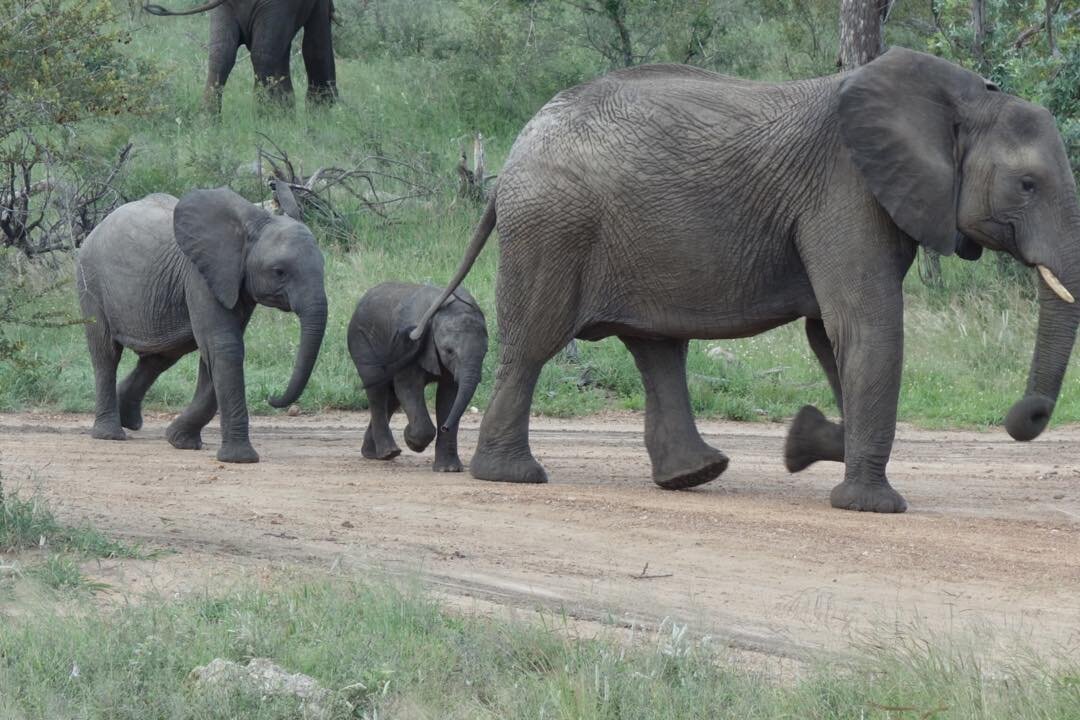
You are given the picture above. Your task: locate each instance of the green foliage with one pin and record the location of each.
(388, 651)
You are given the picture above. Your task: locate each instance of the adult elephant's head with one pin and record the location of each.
(960, 166)
(243, 251)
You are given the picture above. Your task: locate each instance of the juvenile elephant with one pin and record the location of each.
(267, 29)
(451, 354)
(164, 277)
(664, 203)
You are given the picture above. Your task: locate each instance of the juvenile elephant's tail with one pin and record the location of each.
(158, 10)
(479, 239)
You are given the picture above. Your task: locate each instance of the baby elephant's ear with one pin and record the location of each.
(212, 228)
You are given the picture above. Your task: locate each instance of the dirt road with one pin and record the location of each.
(756, 558)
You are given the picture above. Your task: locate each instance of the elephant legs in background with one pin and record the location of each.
(224, 42)
(446, 455)
(318, 51)
(811, 436)
(185, 432)
(133, 388)
(272, 76)
(680, 458)
(409, 389)
(378, 441)
(105, 357)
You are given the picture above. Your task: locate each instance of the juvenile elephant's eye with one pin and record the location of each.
(1028, 185)
(279, 273)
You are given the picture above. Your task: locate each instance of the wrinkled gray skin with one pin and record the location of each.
(267, 29)
(666, 203)
(164, 277)
(451, 354)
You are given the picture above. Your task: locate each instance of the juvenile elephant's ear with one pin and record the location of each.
(900, 117)
(213, 228)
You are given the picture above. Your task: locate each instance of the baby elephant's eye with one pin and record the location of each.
(1028, 185)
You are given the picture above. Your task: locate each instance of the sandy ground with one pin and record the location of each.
(756, 559)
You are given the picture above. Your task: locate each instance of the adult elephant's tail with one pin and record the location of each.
(479, 239)
(158, 10)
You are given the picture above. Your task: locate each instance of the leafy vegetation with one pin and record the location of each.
(391, 652)
(419, 79)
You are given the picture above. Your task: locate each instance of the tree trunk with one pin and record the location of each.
(978, 25)
(861, 31)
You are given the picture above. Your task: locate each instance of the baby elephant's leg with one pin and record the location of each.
(446, 455)
(378, 442)
(409, 387)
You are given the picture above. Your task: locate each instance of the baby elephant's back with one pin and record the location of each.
(382, 321)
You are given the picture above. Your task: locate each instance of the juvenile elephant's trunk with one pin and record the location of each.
(312, 327)
(466, 389)
(1058, 321)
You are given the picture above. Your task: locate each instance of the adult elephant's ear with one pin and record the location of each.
(901, 116)
(212, 228)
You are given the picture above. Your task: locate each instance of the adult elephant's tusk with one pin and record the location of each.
(1055, 284)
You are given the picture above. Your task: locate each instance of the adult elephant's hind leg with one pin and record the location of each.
(502, 451)
(185, 432)
(133, 388)
(680, 458)
(812, 436)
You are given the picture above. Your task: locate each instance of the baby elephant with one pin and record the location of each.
(395, 369)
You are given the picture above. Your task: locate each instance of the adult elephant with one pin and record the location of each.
(664, 203)
(164, 277)
(267, 29)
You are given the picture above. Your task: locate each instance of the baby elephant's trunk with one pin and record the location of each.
(466, 388)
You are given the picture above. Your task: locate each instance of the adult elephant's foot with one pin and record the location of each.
(237, 452)
(690, 470)
(500, 467)
(108, 431)
(867, 497)
(130, 414)
(812, 437)
(419, 440)
(183, 438)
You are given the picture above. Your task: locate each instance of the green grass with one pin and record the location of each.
(397, 655)
(968, 345)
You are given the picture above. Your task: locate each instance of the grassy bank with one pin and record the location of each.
(395, 654)
(968, 345)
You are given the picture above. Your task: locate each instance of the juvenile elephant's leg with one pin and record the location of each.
(133, 388)
(812, 436)
(409, 389)
(446, 455)
(869, 353)
(680, 458)
(378, 441)
(105, 357)
(219, 334)
(185, 432)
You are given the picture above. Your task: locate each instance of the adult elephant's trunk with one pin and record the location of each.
(1058, 321)
(466, 389)
(312, 327)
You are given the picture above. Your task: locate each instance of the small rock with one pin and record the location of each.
(263, 677)
(717, 352)
(1059, 496)
(347, 524)
(294, 410)
(474, 410)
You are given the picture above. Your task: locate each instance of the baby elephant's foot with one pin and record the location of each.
(876, 497)
(448, 464)
(108, 431)
(183, 438)
(418, 441)
(812, 437)
(237, 452)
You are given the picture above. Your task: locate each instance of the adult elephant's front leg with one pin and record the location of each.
(869, 352)
(680, 458)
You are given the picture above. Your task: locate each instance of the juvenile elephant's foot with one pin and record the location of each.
(108, 431)
(130, 415)
(237, 452)
(183, 438)
(867, 497)
(690, 470)
(371, 450)
(499, 467)
(450, 464)
(418, 441)
(812, 437)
